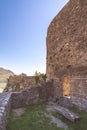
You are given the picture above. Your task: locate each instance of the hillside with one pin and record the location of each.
(4, 74)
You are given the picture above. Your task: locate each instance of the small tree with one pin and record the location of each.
(40, 77)
(43, 76)
(36, 77)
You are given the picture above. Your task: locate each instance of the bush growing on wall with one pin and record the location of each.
(40, 77)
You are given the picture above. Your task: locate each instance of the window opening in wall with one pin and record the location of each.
(66, 86)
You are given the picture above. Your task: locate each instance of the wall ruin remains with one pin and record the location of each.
(31, 95)
(67, 50)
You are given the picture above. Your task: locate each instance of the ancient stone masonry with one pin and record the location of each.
(31, 95)
(67, 51)
(67, 113)
(18, 82)
(5, 107)
(66, 65)
(67, 39)
(22, 79)
(78, 91)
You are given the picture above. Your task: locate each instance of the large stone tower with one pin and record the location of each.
(67, 47)
(67, 41)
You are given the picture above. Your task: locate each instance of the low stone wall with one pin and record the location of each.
(29, 96)
(25, 97)
(5, 107)
(32, 95)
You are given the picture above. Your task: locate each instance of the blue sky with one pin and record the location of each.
(23, 30)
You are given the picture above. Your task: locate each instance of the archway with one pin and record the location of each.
(66, 86)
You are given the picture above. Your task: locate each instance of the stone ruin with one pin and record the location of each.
(18, 82)
(66, 65)
(33, 94)
(67, 52)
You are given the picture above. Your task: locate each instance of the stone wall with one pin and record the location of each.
(57, 87)
(78, 91)
(5, 107)
(67, 40)
(23, 79)
(31, 95)
(17, 82)
(67, 51)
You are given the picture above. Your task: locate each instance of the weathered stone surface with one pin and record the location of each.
(5, 107)
(67, 113)
(18, 82)
(32, 95)
(78, 91)
(25, 97)
(57, 83)
(63, 111)
(67, 41)
(67, 52)
(29, 96)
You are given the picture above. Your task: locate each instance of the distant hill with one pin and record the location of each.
(4, 75)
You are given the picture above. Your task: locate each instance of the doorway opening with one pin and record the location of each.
(66, 86)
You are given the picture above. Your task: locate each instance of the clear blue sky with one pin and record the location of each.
(23, 30)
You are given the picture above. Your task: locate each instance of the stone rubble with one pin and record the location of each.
(63, 111)
(67, 113)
